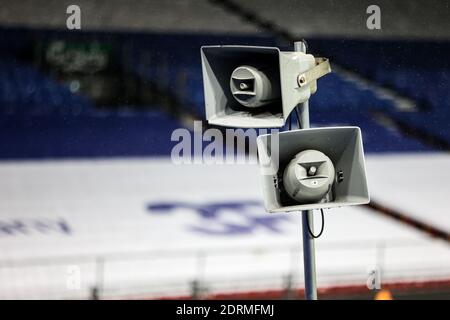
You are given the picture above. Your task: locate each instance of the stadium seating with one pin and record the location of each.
(85, 136)
(423, 76)
(173, 62)
(376, 137)
(42, 118)
(24, 90)
(181, 75)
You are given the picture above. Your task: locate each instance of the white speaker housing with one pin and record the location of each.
(283, 70)
(343, 145)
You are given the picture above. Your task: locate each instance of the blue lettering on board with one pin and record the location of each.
(219, 218)
(26, 226)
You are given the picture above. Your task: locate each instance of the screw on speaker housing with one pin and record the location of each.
(340, 176)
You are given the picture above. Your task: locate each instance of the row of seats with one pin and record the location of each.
(335, 93)
(376, 137)
(42, 118)
(24, 90)
(337, 97)
(173, 64)
(419, 70)
(85, 136)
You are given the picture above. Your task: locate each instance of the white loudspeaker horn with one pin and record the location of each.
(313, 169)
(257, 87)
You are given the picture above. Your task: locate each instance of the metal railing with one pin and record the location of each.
(201, 272)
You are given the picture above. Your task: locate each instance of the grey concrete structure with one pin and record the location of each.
(399, 19)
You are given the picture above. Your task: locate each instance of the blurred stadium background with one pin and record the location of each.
(91, 205)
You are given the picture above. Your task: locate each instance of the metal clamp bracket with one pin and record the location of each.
(321, 68)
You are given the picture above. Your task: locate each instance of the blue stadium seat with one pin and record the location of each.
(85, 136)
(417, 69)
(24, 90)
(376, 137)
(173, 64)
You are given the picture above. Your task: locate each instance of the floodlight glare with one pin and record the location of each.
(253, 88)
(309, 176)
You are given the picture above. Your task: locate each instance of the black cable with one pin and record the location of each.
(306, 45)
(321, 229)
(298, 118)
